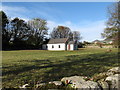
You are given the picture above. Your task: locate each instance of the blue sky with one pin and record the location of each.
(87, 17)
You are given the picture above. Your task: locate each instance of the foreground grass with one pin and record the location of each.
(33, 66)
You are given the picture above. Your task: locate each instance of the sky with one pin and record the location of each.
(86, 17)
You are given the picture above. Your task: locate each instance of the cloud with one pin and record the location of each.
(0, 7)
(68, 23)
(13, 11)
(93, 30)
(89, 30)
(27, 12)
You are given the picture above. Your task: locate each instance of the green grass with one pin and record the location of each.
(33, 66)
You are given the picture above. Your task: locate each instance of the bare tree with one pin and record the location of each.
(76, 36)
(65, 32)
(112, 29)
(61, 32)
(38, 29)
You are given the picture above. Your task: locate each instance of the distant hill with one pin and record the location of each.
(105, 41)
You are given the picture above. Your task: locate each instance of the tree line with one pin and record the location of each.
(31, 34)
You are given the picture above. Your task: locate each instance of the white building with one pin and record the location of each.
(60, 44)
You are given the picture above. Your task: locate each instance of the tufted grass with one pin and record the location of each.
(33, 66)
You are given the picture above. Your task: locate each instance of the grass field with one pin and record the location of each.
(32, 66)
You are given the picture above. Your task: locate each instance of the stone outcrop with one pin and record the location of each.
(56, 82)
(110, 79)
(103, 84)
(79, 82)
(72, 79)
(104, 81)
(113, 81)
(115, 70)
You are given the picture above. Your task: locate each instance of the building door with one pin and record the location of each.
(69, 47)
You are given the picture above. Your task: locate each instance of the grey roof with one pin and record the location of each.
(59, 40)
(71, 42)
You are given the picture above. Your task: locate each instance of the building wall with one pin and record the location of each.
(56, 46)
(72, 47)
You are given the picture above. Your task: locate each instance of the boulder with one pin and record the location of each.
(85, 85)
(115, 70)
(68, 80)
(24, 86)
(93, 85)
(104, 85)
(40, 84)
(56, 82)
(79, 83)
(113, 81)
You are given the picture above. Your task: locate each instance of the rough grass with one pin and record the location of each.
(33, 66)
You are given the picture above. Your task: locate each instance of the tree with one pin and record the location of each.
(113, 24)
(61, 32)
(19, 32)
(5, 32)
(76, 36)
(86, 43)
(80, 45)
(4, 20)
(38, 29)
(65, 32)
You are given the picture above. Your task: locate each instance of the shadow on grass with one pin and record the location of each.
(87, 66)
(73, 65)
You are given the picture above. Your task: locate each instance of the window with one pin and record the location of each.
(52, 46)
(59, 46)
